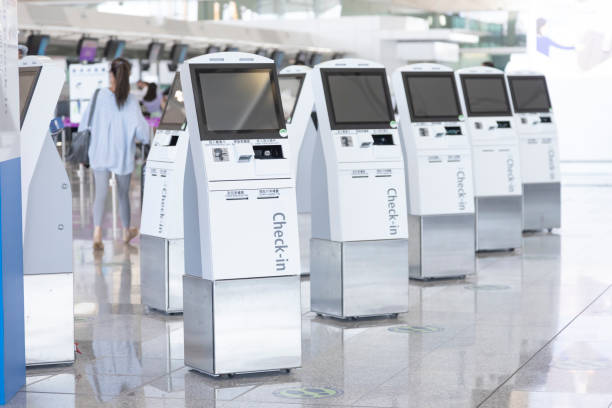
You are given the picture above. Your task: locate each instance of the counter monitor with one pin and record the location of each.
(529, 94)
(432, 97)
(485, 95)
(358, 99)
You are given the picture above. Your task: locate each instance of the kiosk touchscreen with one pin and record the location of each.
(536, 126)
(241, 289)
(47, 219)
(161, 238)
(495, 157)
(439, 175)
(298, 103)
(359, 246)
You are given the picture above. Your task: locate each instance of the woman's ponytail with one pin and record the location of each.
(120, 67)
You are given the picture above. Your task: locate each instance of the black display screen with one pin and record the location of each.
(238, 102)
(485, 95)
(529, 94)
(290, 87)
(173, 117)
(27, 82)
(358, 99)
(432, 97)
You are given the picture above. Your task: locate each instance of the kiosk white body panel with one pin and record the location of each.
(47, 220)
(242, 286)
(161, 227)
(439, 173)
(298, 105)
(495, 157)
(358, 195)
(536, 126)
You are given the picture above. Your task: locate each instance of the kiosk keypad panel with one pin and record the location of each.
(361, 115)
(241, 121)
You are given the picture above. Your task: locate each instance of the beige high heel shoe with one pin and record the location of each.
(97, 239)
(129, 234)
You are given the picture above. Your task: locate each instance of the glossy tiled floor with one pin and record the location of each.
(531, 329)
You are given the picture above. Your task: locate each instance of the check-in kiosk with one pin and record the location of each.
(439, 176)
(162, 258)
(296, 94)
(495, 158)
(536, 126)
(241, 289)
(359, 246)
(47, 219)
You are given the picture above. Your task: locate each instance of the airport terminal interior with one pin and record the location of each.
(305, 203)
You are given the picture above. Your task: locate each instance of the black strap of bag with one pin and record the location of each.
(79, 148)
(93, 107)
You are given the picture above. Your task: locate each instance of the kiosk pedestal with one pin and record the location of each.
(241, 291)
(359, 247)
(47, 220)
(162, 257)
(439, 173)
(536, 126)
(495, 155)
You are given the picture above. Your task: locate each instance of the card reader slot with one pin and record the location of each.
(268, 152)
(503, 124)
(545, 119)
(383, 140)
(453, 130)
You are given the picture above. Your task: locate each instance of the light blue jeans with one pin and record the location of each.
(101, 178)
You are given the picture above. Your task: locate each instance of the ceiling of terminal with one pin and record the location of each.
(371, 6)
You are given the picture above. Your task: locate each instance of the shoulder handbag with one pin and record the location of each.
(79, 148)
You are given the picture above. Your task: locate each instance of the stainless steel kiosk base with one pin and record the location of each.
(499, 223)
(49, 318)
(162, 267)
(441, 246)
(242, 325)
(359, 279)
(541, 206)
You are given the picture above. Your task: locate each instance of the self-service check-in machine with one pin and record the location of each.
(438, 161)
(495, 158)
(296, 94)
(537, 131)
(47, 219)
(359, 246)
(162, 257)
(241, 289)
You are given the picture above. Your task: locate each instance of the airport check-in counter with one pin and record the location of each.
(359, 246)
(161, 226)
(47, 219)
(536, 126)
(241, 289)
(438, 161)
(298, 103)
(495, 158)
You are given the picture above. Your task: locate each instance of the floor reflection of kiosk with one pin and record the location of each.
(161, 240)
(47, 219)
(241, 289)
(439, 172)
(495, 158)
(359, 247)
(537, 131)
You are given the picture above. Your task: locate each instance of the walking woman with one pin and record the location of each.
(117, 124)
